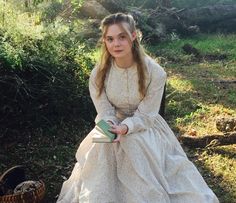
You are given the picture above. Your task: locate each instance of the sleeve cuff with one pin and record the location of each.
(130, 125)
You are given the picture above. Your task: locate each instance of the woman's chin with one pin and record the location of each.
(118, 55)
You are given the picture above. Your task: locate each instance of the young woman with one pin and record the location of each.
(146, 163)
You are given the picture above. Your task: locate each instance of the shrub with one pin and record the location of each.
(43, 77)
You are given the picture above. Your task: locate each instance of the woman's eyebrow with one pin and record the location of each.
(122, 33)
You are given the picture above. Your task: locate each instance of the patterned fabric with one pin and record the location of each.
(148, 165)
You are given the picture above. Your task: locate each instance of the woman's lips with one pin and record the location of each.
(118, 51)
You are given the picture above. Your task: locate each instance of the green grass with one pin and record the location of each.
(195, 94)
(214, 44)
(218, 168)
(196, 98)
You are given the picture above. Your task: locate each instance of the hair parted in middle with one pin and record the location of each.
(127, 22)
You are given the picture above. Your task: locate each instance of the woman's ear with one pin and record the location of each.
(134, 36)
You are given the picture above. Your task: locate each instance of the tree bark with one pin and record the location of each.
(166, 3)
(208, 140)
(185, 21)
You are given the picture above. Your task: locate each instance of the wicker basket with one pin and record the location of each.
(32, 196)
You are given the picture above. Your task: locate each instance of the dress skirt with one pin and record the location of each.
(148, 166)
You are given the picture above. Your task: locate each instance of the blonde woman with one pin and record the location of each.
(145, 163)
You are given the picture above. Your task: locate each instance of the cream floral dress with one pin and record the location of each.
(148, 165)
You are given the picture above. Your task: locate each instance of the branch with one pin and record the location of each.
(208, 140)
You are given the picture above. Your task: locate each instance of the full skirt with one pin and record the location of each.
(145, 167)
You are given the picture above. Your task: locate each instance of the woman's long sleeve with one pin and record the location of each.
(148, 108)
(103, 107)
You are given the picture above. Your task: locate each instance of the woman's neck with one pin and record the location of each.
(124, 62)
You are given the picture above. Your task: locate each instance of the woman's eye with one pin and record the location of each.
(122, 37)
(109, 39)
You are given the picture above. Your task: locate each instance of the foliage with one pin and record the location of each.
(44, 75)
(50, 11)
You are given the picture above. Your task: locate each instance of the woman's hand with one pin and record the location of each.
(119, 129)
(117, 139)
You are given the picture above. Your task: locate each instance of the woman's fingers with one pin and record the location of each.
(119, 129)
(115, 129)
(117, 139)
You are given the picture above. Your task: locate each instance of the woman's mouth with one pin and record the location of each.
(117, 51)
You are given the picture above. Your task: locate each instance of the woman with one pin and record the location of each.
(146, 163)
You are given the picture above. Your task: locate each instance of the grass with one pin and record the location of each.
(49, 153)
(195, 94)
(217, 165)
(195, 98)
(214, 44)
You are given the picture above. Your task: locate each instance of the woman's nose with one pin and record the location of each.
(117, 42)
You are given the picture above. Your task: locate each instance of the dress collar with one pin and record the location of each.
(133, 67)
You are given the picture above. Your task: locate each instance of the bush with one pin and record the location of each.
(43, 78)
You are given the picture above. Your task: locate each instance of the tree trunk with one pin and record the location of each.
(207, 18)
(156, 23)
(166, 3)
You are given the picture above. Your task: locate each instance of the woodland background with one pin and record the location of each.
(48, 48)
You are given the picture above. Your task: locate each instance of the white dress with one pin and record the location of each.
(148, 165)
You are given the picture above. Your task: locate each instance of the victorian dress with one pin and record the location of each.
(148, 165)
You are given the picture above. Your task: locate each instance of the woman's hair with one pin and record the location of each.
(106, 58)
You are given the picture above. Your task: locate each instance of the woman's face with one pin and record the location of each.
(118, 42)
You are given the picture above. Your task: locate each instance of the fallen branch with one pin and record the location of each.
(208, 140)
(226, 81)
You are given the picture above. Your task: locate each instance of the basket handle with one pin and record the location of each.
(26, 166)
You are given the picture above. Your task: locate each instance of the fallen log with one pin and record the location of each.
(226, 81)
(208, 140)
(155, 24)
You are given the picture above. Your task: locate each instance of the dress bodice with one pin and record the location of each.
(121, 88)
(120, 101)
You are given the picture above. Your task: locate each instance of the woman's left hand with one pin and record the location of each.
(117, 139)
(119, 129)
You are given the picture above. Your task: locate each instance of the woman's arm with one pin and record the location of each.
(148, 108)
(103, 107)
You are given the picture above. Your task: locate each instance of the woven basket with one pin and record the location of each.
(32, 196)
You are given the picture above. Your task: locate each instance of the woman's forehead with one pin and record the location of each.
(116, 29)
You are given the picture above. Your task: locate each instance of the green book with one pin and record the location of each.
(103, 134)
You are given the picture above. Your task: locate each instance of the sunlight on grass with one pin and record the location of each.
(221, 163)
(180, 84)
(203, 120)
(219, 70)
(196, 97)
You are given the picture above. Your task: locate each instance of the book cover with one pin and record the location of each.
(103, 134)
